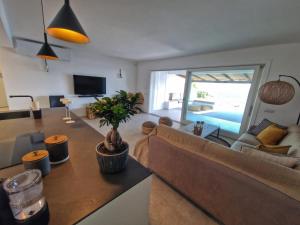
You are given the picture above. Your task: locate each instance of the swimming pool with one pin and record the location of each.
(229, 121)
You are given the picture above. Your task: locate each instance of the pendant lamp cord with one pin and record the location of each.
(297, 81)
(44, 26)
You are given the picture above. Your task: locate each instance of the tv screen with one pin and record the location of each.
(87, 85)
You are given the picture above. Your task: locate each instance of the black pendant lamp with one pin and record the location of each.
(46, 51)
(66, 26)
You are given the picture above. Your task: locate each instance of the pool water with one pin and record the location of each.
(229, 121)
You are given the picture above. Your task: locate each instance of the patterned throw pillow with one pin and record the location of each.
(286, 161)
(255, 130)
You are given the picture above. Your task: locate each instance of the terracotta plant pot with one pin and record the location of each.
(111, 162)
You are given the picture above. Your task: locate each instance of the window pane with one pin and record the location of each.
(219, 97)
(167, 93)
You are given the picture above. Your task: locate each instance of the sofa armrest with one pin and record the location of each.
(141, 150)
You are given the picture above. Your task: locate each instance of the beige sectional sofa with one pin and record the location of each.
(200, 182)
(292, 139)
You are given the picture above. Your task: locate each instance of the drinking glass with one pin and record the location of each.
(25, 192)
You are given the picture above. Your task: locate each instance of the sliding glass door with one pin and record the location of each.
(222, 97)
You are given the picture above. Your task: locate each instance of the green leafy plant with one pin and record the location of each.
(202, 94)
(113, 111)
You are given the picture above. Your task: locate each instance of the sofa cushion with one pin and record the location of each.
(249, 139)
(293, 139)
(245, 139)
(271, 135)
(238, 145)
(286, 161)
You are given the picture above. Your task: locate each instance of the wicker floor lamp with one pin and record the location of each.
(278, 92)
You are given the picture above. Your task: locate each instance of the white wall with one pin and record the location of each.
(3, 100)
(279, 59)
(25, 76)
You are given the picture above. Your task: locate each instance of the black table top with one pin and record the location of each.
(76, 188)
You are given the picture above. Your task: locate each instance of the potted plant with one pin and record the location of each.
(89, 112)
(112, 153)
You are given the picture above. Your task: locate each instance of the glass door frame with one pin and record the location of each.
(248, 112)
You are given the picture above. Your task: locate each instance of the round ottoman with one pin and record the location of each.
(148, 126)
(165, 121)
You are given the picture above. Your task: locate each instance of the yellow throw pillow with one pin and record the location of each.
(271, 135)
(274, 148)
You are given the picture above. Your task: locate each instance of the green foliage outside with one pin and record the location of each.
(202, 94)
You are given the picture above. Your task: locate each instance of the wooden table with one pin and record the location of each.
(76, 189)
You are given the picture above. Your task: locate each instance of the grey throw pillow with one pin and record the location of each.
(255, 130)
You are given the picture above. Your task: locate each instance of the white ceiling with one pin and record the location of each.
(152, 29)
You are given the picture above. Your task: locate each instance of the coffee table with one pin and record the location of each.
(208, 129)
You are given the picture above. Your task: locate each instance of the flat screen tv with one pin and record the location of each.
(88, 85)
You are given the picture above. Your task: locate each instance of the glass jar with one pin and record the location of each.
(198, 127)
(25, 192)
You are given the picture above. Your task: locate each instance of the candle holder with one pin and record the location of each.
(67, 113)
(67, 102)
(69, 117)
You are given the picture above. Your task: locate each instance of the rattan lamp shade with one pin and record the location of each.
(276, 92)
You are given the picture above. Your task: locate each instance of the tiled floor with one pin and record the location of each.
(175, 114)
(131, 131)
